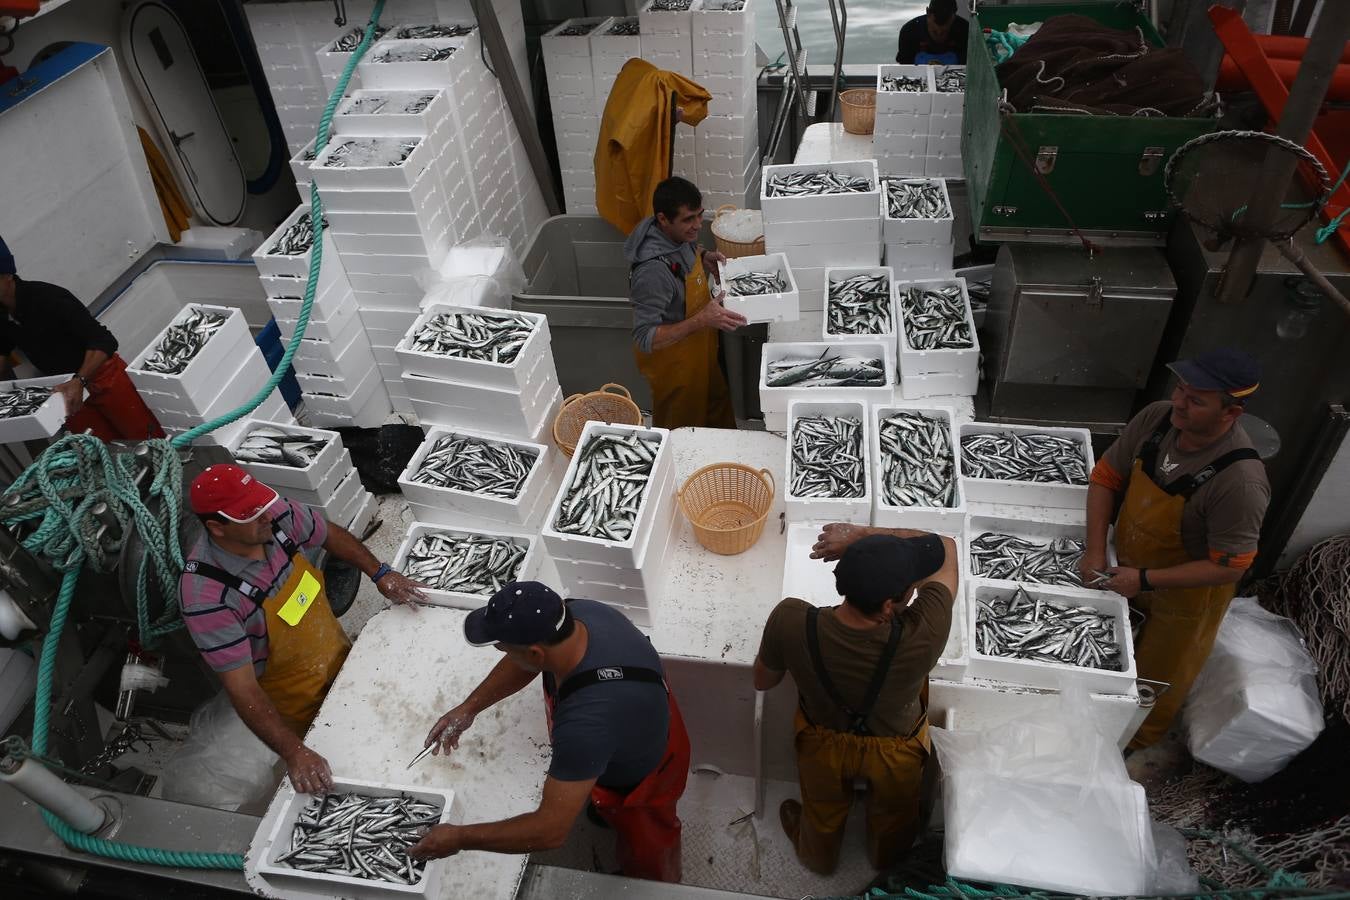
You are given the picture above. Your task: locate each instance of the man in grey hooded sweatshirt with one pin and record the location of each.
(675, 318)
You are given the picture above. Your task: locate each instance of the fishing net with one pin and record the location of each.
(1315, 593)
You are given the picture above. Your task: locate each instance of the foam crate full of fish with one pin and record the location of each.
(353, 840)
(334, 56)
(819, 192)
(937, 333)
(1037, 636)
(285, 253)
(916, 211)
(195, 353)
(949, 92)
(474, 478)
(417, 64)
(1028, 552)
(388, 163)
(375, 113)
(465, 566)
(859, 304)
(823, 370)
(286, 456)
(904, 91)
(1027, 465)
(829, 469)
(29, 410)
(761, 288)
(915, 484)
(606, 505)
(478, 346)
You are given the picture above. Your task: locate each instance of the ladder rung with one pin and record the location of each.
(790, 16)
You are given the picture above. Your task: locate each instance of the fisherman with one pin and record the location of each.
(861, 670)
(675, 319)
(1191, 492)
(256, 608)
(618, 737)
(60, 337)
(937, 37)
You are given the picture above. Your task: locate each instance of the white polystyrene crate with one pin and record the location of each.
(300, 168)
(344, 399)
(737, 137)
(424, 200)
(278, 840)
(659, 45)
(774, 307)
(554, 43)
(1031, 530)
(394, 287)
(937, 384)
(831, 254)
(325, 326)
(520, 374)
(490, 410)
(274, 264)
(367, 507)
(509, 510)
(621, 553)
(903, 102)
(328, 301)
(379, 72)
(1053, 675)
(909, 162)
(901, 231)
(278, 476)
(347, 352)
(947, 103)
(340, 222)
(908, 258)
(776, 399)
(456, 599)
(891, 127)
(396, 178)
(605, 43)
(949, 519)
(329, 492)
(943, 145)
(363, 114)
(961, 362)
(384, 263)
(398, 320)
(201, 377)
(1057, 495)
(654, 21)
(367, 411)
(944, 165)
(43, 422)
(781, 235)
(723, 18)
(829, 509)
(681, 62)
(232, 392)
(820, 207)
(834, 275)
(420, 250)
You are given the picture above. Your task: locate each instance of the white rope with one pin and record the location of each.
(1315, 593)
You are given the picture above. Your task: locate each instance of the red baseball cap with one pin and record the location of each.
(230, 491)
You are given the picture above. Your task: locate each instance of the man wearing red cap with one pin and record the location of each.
(257, 610)
(1191, 492)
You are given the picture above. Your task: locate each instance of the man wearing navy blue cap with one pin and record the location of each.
(1191, 492)
(618, 738)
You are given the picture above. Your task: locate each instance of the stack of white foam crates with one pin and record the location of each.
(576, 110)
(818, 231)
(225, 373)
(329, 482)
(628, 575)
(946, 372)
(916, 247)
(900, 134)
(612, 46)
(943, 152)
(516, 399)
(667, 42)
(335, 55)
(727, 141)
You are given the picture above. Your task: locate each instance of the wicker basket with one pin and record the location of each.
(612, 404)
(732, 249)
(860, 110)
(727, 503)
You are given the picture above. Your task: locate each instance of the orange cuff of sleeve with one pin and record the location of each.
(1107, 477)
(1232, 560)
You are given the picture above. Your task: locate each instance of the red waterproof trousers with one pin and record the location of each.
(113, 410)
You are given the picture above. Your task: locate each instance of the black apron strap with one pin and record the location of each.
(607, 675)
(1148, 453)
(857, 718)
(284, 539)
(1187, 485)
(234, 582)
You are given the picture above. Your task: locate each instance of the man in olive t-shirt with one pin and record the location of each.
(861, 670)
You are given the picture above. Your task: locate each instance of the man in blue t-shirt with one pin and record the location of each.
(618, 738)
(937, 37)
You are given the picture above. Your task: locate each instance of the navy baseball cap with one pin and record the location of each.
(882, 566)
(521, 613)
(1227, 369)
(6, 259)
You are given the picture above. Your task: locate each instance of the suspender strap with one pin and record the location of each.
(1186, 485)
(284, 539)
(1148, 454)
(206, 570)
(607, 675)
(857, 718)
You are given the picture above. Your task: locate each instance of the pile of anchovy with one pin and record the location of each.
(826, 370)
(417, 53)
(1009, 558)
(936, 318)
(611, 476)
(903, 84)
(278, 447)
(577, 30)
(465, 564)
(625, 28)
(495, 338)
(915, 198)
(360, 837)
(951, 80)
(917, 468)
(364, 153)
(296, 239)
(23, 401)
(476, 466)
(373, 103)
(1024, 627)
(727, 6)
(427, 32)
(806, 184)
(182, 342)
(1011, 456)
(827, 457)
(860, 304)
(349, 41)
(753, 283)
(978, 292)
(671, 5)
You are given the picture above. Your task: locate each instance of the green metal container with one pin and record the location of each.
(1106, 171)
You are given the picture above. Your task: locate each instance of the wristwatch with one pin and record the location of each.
(84, 381)
(382, 571)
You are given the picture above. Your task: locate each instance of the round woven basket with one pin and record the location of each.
(612, 404)
(727, 503)
(732, 249)
(859, 110)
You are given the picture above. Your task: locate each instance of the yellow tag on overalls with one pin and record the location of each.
(301, 599)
